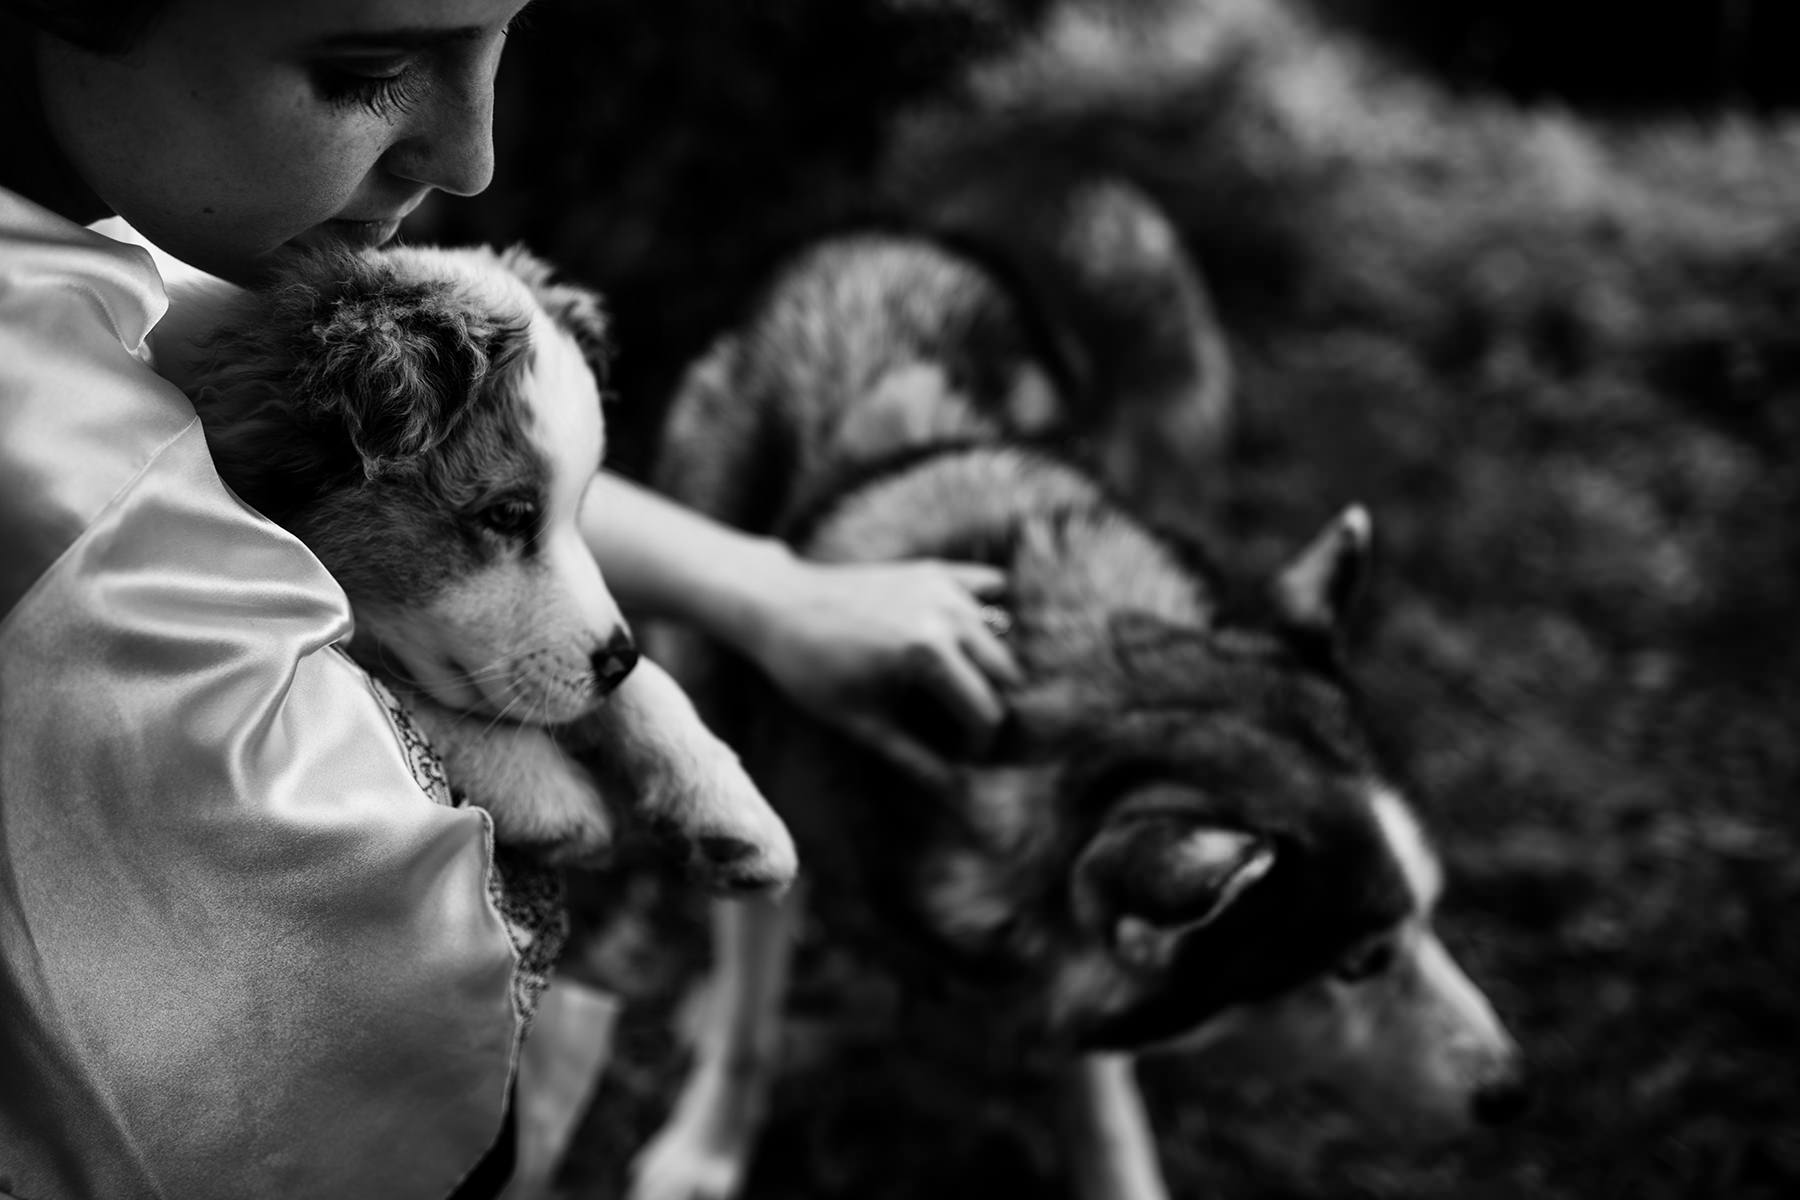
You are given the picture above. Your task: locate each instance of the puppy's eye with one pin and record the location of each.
(1367, 961)
(511, 518)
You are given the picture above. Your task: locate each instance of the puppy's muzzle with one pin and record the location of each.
(613, 662)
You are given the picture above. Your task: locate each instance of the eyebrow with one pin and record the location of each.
(405, 38)
(414, 37)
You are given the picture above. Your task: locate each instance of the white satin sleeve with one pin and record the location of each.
(242, 953)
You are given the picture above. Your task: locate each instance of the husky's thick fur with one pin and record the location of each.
(428, 421)
(1183, 837)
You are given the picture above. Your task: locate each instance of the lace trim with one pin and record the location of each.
(528, 895)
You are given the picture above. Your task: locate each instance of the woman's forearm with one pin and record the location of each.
(663, 560)
(841, 641)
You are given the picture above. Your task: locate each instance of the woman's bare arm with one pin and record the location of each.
(843, 641)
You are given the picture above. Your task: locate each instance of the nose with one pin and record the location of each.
(613, 662)
(449, 142)
(1501, 1101)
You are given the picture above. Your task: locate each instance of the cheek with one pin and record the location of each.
(217, 167)
(405, 557)
(1282, 1040)
(265, 171)
(475, 612)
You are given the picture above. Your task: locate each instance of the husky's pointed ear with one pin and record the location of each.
(579, 310)
(1146, 880)
(1316, 590)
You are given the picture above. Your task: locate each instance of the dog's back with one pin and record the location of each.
(865, 346)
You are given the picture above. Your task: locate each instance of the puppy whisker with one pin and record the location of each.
(505, 712)
(487, 674)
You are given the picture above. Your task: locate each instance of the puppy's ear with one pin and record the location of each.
(1315, 592)
(1149, 878)
(577, 309)
(398, 365)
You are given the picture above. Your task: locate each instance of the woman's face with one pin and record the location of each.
(237, 127)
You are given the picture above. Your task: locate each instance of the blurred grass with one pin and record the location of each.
(1558, 357)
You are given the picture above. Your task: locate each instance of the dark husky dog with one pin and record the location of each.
(1183, 837)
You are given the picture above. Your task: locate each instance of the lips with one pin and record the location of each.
(363, 233)
(345, 231)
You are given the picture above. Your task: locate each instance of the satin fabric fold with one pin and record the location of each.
(242, 953)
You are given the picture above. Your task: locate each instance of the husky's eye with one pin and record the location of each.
(512, 518)
(1367, 962)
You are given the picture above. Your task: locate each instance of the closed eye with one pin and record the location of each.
(387, 85)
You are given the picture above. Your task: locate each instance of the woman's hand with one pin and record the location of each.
(868, 648)
(862, 646)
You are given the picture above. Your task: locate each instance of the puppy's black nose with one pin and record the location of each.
(1502, 1100)
(613, 662)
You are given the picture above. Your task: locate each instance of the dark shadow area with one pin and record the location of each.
(670, 152)
(1621, 55)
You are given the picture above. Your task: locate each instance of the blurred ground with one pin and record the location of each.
(1557, 355)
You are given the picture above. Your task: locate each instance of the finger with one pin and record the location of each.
(904, 751)
(970, 699)
(993, 656)
(979, 579)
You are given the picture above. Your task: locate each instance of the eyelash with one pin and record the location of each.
(387, 96)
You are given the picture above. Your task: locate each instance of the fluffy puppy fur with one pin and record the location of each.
(428, 422)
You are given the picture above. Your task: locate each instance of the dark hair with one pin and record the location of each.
(102, 26)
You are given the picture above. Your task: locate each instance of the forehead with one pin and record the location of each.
(562, 399)
(252, 25)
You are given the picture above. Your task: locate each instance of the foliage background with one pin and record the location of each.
(1526, 286)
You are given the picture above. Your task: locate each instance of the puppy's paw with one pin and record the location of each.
(555, 810)
(542, 801)
(567, 822)
(686, 784)
(734, 840)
